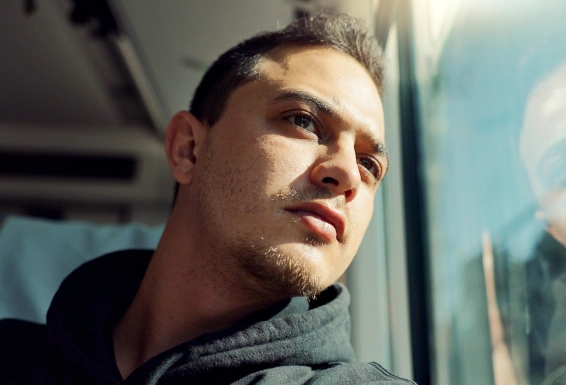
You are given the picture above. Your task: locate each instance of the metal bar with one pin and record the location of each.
(383, 18)
(142, 82)
(414, 197)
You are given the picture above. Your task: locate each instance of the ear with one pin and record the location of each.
(183, 143)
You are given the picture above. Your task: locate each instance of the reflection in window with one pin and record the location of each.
(492, 95)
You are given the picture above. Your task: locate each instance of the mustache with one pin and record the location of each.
(293, 195)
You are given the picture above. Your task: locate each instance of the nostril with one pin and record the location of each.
(330, 180)
(349, 194)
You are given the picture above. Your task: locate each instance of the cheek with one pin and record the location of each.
(554, 204)
(285, 163)
(248, 174)
(361, 214)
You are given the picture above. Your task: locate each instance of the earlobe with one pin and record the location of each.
(183, 140)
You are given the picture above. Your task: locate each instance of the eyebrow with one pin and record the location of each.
(377, 145)
(310, 100)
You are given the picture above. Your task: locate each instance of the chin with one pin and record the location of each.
(284, 272)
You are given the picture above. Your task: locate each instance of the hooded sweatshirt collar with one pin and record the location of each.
(94, 297)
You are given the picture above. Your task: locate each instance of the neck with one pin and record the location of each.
(184, 294)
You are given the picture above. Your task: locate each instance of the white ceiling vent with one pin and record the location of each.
(95, 165)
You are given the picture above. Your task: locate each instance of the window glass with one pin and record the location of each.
(492, 106)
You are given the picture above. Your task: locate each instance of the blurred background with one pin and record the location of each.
(461, 277)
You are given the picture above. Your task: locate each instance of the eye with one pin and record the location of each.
(303, 121)
(371, 165)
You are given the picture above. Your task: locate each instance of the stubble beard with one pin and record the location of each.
(266, 270)
(278, 273)
(258, 269)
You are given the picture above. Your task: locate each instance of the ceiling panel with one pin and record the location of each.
(46, 72)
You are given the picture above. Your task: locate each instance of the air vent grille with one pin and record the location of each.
(70, 166)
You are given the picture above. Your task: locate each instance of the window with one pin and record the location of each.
(491, 96)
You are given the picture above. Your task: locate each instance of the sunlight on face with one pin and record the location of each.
(287, 185)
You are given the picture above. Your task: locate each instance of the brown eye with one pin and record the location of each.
(303, 122)
(370, 165)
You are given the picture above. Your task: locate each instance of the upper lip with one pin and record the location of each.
(335, 218)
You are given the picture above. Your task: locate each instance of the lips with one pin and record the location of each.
(320, 219)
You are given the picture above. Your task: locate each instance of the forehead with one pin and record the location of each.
(543, 134)
(544, 121)
(329, 75)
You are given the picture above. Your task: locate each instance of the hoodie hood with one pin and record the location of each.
(294, 333)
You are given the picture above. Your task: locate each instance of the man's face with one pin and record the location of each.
(543, 149)
(286, 185)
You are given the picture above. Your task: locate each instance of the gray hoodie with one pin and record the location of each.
(292, 342)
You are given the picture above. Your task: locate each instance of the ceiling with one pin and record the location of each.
(54, 72)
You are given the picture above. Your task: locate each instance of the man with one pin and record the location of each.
(277, 164)
(542, 148)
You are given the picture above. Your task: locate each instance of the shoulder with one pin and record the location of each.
(20, 343)
(358, 373)
(325, 374)
(19, 332)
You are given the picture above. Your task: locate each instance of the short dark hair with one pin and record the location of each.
(239, 64)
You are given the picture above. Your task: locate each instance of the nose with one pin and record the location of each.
(337, 169)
